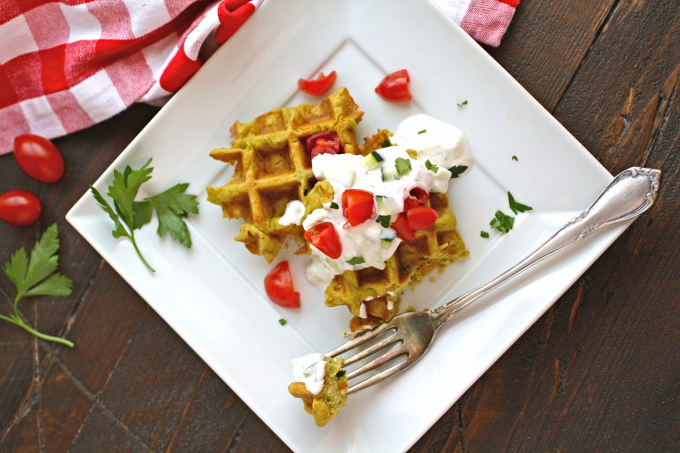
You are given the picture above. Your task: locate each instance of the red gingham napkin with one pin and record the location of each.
(66, 65)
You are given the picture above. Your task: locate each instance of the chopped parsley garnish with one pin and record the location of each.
(515, 158)
(502, 222)
(422, 132)
(171, 207)
(385, 144)
(456, 170)
(462, 103)
(402, 165)
(37, 276)
(356, 260)
(430, 166)
(384, 220)
(334, 205)
(283, 322)
(484, 234)
(305, 192)
(340, 373)
(517, 206)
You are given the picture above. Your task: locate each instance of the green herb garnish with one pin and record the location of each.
(502, 222)
(430, 166)
(514, 158)
(340, 373)
(422, 132)
(283, 322)
(456, 170)
(385, 144)
(484, 234)
(384, 220)
(517, 206)
(462, 103)
(334, 205)
(402, 164)
(170, 206)
(38, 277)
(356, 260)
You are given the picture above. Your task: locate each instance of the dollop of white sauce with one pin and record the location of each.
(444, 146)
(295, 211)
(442, 143)
(310, 369)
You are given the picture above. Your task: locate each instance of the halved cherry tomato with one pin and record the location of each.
(357, 206)
(325, 138)
(394, 87)
(279, 286)
(420, 194)
(38, 158)
(421, 217)
(19, 207)
(321, 149)
(318, 86)
(324, 237)
(404, 232)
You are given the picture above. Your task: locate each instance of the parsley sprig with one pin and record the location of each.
(517, 206)
(129, 215)
(456, 170)
(38, 277)
(430, 166)
(502, 222)
(402, 164)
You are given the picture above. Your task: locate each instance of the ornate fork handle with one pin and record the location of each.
(630, 194)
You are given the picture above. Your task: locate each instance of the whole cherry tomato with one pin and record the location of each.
(325, 138)
(404, 232)
(324, 237)
(39, 158)
(19, 207)
(318, 86)
(279, 286)
(321, 149)
(421, 217)
(394, 87)
(357, 206)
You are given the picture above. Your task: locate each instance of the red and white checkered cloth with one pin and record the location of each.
(66, 65)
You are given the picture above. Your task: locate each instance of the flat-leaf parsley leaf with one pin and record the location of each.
(422, 132)
(334, 205)
(502, 222)
(517, 206)
(356, 260)
(462, 103)
(384, 220)
(385, 144)
(430, 166)
(402, 164)
(456, 170)
(515, 158)
(38, 277)
(484, 234)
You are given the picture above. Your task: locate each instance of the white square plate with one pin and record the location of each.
(213, 295)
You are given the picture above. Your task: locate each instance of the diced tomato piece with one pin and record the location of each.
(318, 86)
(421, 217)
(279, 286)
(404, 232)
(319, 149)
(325, 238)
(420, 194)
(394, 87)
(410, 203)
(357, 206)
(325, 138)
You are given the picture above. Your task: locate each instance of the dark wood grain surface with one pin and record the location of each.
(600, 371)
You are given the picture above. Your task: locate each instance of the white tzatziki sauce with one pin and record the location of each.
(295, 211)
(310, 369)
(438, 145)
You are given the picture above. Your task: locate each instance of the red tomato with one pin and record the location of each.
(325, 138)
(420, 194)
(279, 286)
(394, 87)
(421, 217)
(318, 86)
(19, 207)
(321, 149)
(357, 206)
(324, 237)
(404, 232)
(38, 158)
(410, 203)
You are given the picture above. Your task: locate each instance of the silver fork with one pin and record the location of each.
(630, 194)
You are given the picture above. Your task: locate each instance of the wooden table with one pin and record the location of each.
(600, 371)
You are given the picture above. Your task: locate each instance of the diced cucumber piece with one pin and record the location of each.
(387, 238)
(388, 175)
(385, 244)
(372, 160)
(382, 205)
